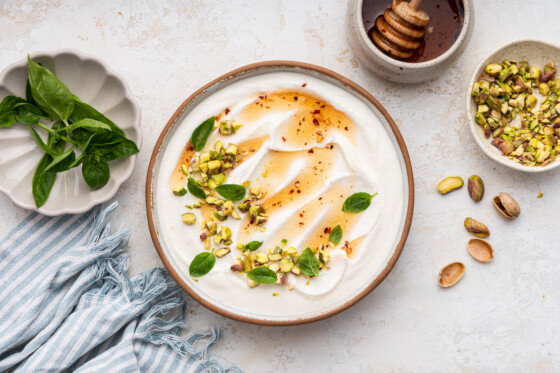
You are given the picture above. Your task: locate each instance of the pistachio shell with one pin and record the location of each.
(480, 250)
(507, 206)
(451, 273)
(449, 184)
(476, 228)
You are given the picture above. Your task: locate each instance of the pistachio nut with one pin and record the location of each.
(476, 188)
(476, 228)
(450, 274)
(188, 218)
(480, 250)
(222, 252)
(507, 206)
(449, 184)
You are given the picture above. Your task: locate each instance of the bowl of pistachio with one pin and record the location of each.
(513, 106)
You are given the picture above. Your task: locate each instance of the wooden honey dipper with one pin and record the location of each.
(400, 30)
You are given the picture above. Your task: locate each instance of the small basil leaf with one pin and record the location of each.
(202, 264)
(201, 133)
(308, 263)
(120, 149)
(336, 235)
(43, 181)
(254, 245)
(263, 275)
(195, 189)
(233, 192)
(87, 123)
(357, 202)
(39, 141)
(95, 171)
(51, 95)
(84, 111)
(54, 143)
(65, 164)
(59, 158)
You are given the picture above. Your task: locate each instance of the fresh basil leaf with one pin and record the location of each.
(336, 235)
(233, 192)
(38, 140)
(84, 111)
(8, 119)
(263, 275)
(9, 103)
(121, 149)
(95, 171)
(43, 181)
(59, 158)
(202, 264)
(54, 142)
(195, 189)
(87, 123)
(28, 95)
(357, 202)
(51, 95)
(308, 263)
(254, 245)
(66, 164)
(201, 133)
(76, 162)
(29, 114)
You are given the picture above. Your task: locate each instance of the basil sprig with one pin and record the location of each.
(201, 133)
(336, 235)
(233, 192)
(78, 127)
(202, 264)
(263, 275)
(195, 189)
(254, 245)
(357, 202)
(308, 263)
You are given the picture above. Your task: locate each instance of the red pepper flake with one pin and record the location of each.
(317, 111)
(300, 223)
(227, 111)
(191, 148)
(283, 139)
(322, 106)
(319, 133)
(299, 191)
(320, 198)
(315, 121)
(346, 128)
(295, 98)
(310, 151)
(292, 191)
(304, 84)
(332, 146)
(261, 97)
(300, 215)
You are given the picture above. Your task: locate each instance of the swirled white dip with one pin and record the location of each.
(307, 175)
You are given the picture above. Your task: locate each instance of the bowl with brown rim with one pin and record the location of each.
(177, 268)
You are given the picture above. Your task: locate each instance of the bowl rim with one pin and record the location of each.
(468, 6)
(475, 129)
(232, 74)
(137, 125)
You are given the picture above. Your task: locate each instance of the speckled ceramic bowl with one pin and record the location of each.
(536, 53)
(399, 71)
(89, 78)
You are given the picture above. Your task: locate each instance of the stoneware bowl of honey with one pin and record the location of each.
(446, 37)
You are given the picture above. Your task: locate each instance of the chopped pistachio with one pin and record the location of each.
(246, 184)
(188, 218)
(252, 283)
(274, 267)
(262, 258)
(236, 126)
(274, 257)
(214, 201)
(284, 242)
(235, 215)
(218, 178)
(226, 233)
(185, 169)
(231, 149)
(286, 265)
(295, 270)
(214, 166)
(207, 243)
(217, 239)
(222, 252)
(180, 192)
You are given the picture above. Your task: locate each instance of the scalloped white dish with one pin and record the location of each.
(93, 82)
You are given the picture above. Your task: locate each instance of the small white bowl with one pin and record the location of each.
(398, 71)
(537, 53)
(93, 82)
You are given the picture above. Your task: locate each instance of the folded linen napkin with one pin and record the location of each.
(67, 304)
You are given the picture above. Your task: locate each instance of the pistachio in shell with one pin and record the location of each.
(451, 273)
(449, 184)
(476, 228)
(480, 250)
(476, 188)
(507, 206)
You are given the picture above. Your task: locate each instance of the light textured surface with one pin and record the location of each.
(502, 316)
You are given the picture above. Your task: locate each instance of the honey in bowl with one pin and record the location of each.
(445, 23)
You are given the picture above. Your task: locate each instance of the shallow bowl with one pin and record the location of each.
(536, 53)
(90, 79)
(174, 129)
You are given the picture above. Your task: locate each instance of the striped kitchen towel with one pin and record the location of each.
(67, 304)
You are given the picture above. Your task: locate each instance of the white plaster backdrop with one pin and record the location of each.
(502, 316)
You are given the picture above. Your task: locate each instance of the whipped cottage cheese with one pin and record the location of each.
(307, 171)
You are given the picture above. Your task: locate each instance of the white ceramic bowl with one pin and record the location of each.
(93, 82)
(398, 71)
(536, 53)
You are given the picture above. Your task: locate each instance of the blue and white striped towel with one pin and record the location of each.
(67, 304)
